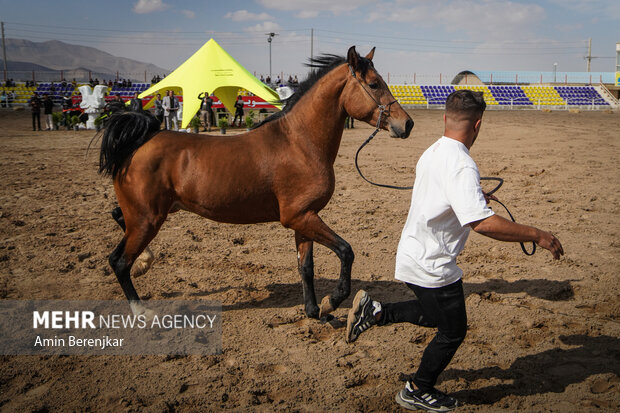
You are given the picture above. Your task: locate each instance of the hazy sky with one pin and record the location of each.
(421, 36)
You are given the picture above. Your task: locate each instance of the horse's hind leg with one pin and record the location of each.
(139, 233)
(117, 214)
(145, 260)
(305, 264)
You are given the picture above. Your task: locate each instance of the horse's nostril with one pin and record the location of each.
(408, 126)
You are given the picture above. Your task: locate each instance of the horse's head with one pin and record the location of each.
(367, 97)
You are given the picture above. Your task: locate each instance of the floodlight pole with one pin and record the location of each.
(4, 52)
(555, 71)
(589, 56)
(269, 40)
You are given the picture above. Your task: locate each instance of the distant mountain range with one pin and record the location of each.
(54, 55)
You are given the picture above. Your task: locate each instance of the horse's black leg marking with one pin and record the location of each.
(305, 264)
(117, 214)
(121, 269)
(344, 251)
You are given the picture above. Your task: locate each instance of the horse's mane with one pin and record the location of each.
(319, 67)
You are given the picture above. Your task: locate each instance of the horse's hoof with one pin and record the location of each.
(139, 310)
(328, 318)
(326, 306)
(313, 312)
(143, 263)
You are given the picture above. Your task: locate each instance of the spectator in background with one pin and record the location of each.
(116, 105)
(135, 105)
(35, 108)
(278, 81)
(348, 123)
(48, 107)
(262, 78)
(206, 111)
(10, 98)
(3, 99)
(268, 80)
(238, 110)
(67, 105)
(158, 109)
(171, 107)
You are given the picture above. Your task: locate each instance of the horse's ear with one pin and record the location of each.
(370, 55)
(352, 57)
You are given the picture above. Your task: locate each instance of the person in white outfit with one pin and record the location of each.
(446, 203)
(170, 104)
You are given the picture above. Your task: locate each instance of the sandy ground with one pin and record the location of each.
(543, 336)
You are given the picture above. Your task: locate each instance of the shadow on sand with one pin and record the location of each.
(550, 371)
(289, 295)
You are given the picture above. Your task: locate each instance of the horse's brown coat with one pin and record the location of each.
(281, 171)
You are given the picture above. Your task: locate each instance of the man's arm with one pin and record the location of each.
(501, 229)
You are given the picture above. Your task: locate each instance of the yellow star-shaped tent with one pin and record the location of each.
(212, 70)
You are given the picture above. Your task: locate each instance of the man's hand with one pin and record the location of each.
(501, 229)
(549, 242)
(488, 197)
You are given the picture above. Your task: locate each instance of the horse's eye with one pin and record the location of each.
(373, 85)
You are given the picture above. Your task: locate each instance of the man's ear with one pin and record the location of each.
(371, 54)
(477, 125)
(352, 57)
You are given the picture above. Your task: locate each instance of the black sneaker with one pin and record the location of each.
(433, 400)
(362, 315)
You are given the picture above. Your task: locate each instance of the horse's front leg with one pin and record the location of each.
(311, 226)
(305, 264)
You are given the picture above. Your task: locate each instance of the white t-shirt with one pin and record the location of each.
(446, 197)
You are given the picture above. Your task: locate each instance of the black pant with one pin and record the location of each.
(443, 308)
(238, 114)
(37, 116)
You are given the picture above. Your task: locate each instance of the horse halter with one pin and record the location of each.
(382, 108)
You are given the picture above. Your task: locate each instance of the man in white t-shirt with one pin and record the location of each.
(447, 202)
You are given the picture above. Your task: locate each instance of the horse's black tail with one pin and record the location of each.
(124, 134)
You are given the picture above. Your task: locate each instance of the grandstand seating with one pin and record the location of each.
(580, 95)
(128, 91)
(408, 94)
(508, 96)
(58, 92)
(488, 96)
(500, 96)
(22, 93)
(543, 95)
(437, 95)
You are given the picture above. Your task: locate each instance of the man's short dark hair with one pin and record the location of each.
(465, 101)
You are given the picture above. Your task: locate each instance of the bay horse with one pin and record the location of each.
(282, 170)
